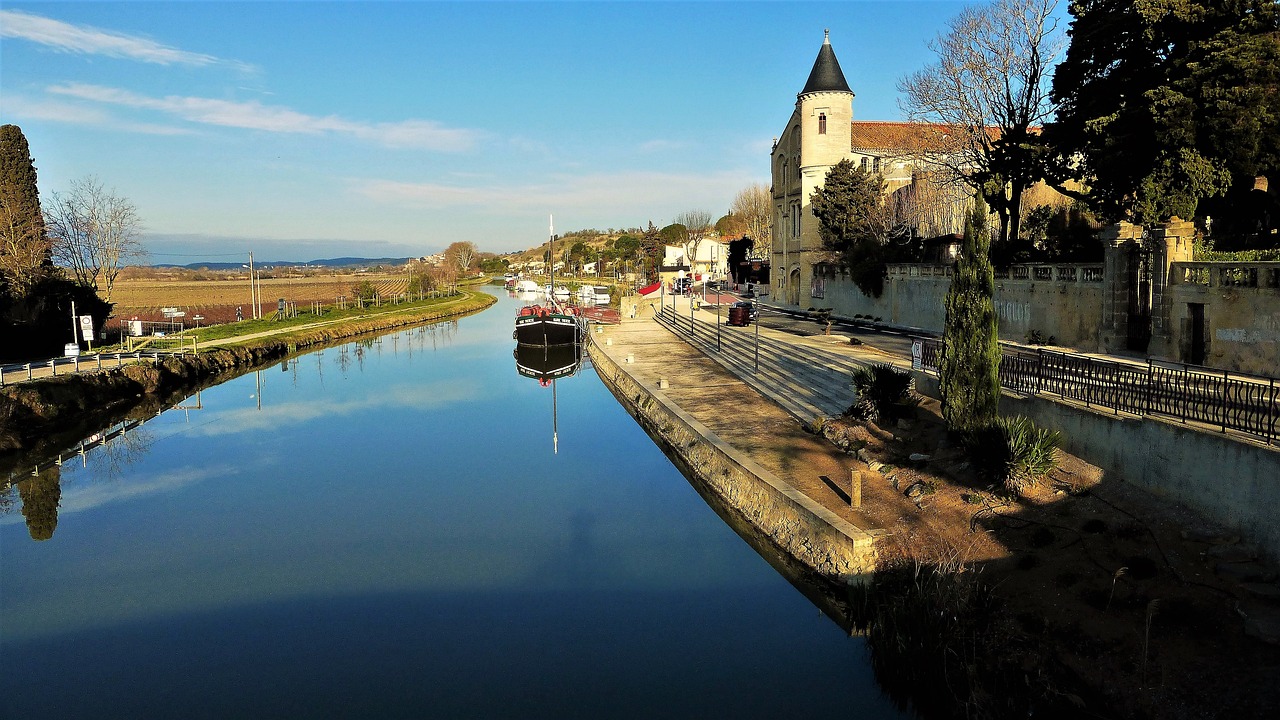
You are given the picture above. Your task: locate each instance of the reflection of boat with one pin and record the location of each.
(547, 362)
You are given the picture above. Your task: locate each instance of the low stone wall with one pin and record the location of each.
(1059, 301)
(796, 525)
(1229, 480)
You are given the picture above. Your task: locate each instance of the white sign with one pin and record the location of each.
(917, 354)
(86, 326)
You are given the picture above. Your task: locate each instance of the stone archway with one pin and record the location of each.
(793, 287)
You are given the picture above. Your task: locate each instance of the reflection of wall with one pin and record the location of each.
(40, 496)
(816, 538)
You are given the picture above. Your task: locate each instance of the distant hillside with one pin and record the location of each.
(342, 262)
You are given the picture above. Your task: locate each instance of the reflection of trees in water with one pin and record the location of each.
(40, 496)
(110, 459)
(8, 497)
(344, 360)
(424, 337)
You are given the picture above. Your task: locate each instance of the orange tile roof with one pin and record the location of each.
(902, 136)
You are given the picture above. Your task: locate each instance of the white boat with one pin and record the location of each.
(527, 286)
(593, 294)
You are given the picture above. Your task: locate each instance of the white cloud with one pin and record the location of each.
(598, 191)
(87, 40)
(275, 415)
(18, 106)
(253, 115)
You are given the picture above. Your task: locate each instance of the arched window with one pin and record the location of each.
(822, 123)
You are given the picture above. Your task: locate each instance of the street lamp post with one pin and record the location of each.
(757, 338)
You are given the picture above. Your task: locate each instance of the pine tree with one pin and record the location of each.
(24, 247)
(970, 363)
(1164, 104)
(856, 224)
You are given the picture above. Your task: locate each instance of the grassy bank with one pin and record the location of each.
(49, 414)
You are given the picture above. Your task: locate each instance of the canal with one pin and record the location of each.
(386, 529)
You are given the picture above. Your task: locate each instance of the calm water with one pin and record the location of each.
(383, 530)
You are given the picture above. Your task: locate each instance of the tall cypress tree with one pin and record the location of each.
(24, 249)
(970, 363)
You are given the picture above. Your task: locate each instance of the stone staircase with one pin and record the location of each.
(804, 379)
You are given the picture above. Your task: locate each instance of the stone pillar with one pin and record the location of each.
(1117, 241)
(1170, 243)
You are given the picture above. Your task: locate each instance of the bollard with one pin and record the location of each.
(855, 488)
(631, 358)
(608, 341)
(663, 383)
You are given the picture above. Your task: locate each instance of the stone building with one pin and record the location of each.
(820, 133)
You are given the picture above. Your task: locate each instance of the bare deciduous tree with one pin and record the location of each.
(753, 205)
(94, 232)
(697, 224)
(988, 96)
(461, 256)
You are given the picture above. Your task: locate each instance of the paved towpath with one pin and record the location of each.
(756, 413)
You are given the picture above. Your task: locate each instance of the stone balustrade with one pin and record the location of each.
(1260, 275)
(1030, 272)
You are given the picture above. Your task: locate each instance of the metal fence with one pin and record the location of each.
(1224, 400)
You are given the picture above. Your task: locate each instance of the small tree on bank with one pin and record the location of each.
(969, 367)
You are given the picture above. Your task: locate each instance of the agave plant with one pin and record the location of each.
(1013, 452)
(883, 391)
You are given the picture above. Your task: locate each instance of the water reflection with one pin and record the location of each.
(385, 542)
(548, 364)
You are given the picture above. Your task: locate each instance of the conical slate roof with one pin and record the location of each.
(826, 75)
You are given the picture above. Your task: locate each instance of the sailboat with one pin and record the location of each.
(553, 323)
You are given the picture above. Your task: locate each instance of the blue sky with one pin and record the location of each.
(304, 130)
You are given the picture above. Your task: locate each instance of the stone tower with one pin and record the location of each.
(817, 136)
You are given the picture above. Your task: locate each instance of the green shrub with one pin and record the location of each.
(883, 392)
(1013, 452)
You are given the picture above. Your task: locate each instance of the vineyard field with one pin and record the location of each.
(216, 300)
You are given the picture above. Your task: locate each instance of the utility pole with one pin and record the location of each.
(253, 288)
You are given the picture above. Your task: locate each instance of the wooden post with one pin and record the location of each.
(855, 488)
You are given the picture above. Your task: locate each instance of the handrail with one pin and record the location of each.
(1240, 402)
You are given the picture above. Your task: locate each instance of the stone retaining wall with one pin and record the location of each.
(795, 524)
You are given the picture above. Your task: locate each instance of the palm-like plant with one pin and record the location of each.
(1013, 452)
(883, 392)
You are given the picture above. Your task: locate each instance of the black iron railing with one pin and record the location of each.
(1247, 404)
